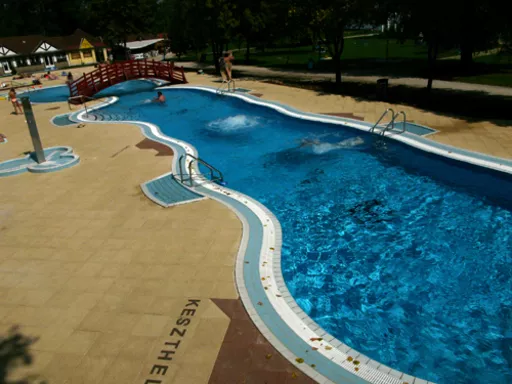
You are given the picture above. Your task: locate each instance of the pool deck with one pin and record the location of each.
(107, 279)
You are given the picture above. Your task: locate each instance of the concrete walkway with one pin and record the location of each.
(263, 72)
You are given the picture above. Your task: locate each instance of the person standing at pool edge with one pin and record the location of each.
(15, 103)
(226, 65)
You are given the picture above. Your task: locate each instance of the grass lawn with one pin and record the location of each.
(373, 47)
(367, 56)
(363, 48)
(501, 79)
(495, 69)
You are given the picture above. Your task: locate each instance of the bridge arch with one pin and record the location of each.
(110, 74)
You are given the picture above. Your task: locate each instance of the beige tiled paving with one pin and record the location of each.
(102, 275)
(98, 272)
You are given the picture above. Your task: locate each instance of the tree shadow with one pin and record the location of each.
(14, 352)
(473, 106)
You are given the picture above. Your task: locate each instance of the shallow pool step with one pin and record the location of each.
(167, 191)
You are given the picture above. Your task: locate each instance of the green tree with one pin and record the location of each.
(330, 18)
(117, 19)
(220, 20)
(479, 25)
(183, 20)
(47, 17)
(256, 21)
(200, 24)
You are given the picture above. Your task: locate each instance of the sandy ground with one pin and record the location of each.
(102, 276)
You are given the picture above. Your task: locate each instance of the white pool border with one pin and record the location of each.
(270, 255)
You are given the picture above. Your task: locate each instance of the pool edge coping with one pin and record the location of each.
(240, 257)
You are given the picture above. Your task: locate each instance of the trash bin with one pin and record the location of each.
(202, 59)
(382, 89)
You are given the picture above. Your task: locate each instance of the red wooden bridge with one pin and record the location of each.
(110, 74)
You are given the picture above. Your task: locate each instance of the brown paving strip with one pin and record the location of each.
(347, 115)
(162, 149)
(246, 357)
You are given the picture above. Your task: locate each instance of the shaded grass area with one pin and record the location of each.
(473, 106)
(502, 79)
(495, 69)
(377, 56)
(372, 48)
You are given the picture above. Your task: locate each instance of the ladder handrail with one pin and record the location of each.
(404, 122)
(382, 116)
(392, 123)
(226, 82)
(83, 99)
(198, 160)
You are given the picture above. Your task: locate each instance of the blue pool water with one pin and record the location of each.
(404, 256)
(48, 95)
(61, 93)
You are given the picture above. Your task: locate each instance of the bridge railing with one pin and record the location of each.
(110, 74)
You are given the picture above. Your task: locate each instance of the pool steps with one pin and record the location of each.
(167, 191)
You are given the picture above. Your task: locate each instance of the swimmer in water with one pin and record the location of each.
(321, 147)
(160, 98)
(308, 142)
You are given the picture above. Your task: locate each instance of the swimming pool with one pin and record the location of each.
(403, 255)
(61, 92)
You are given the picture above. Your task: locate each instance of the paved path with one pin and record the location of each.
(407, 81)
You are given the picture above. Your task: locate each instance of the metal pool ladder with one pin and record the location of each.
(82, 100)
(391, 125)
(215, 174)
(226, 87)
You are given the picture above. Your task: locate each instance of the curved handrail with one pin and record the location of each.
(382, 116)
(83, 100)
(404, 122)
(227, 83)
(392, 123)
(212, 169)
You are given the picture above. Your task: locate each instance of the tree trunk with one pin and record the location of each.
(339, 45)
(467, 28)
(125, 49)
(247, 51)
(466, 53)
(432, 56)
(337, 69)
(216, 56)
